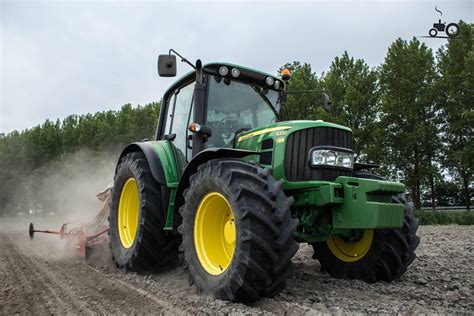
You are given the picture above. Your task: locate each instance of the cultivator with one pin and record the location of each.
(84, 236)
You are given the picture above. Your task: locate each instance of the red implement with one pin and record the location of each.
(76, 236)
(86, 235)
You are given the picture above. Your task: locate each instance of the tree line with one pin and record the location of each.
(413, 115)
(28, 158)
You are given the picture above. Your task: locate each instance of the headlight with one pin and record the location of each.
(223, 71)
(331, 157)
(235, 72)
(269, 81)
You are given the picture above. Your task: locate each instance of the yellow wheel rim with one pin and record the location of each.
(128, 213)
(351, 251)
(214, 233)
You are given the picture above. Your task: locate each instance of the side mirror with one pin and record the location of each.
(326, 102)
(167, 65)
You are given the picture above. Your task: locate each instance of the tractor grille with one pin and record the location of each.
(297, 150)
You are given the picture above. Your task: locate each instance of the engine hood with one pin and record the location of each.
(283, 128)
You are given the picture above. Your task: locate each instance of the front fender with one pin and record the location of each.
(202, 157)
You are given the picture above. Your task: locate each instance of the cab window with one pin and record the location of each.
(177, 119)
(234, 107)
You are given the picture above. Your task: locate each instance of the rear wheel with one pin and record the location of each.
(452, 29)
(237, 231)
(378, 255)
(136, 219)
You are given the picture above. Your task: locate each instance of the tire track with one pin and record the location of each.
(86, 288)
(32, 296)
(37, 278)
(34, 288)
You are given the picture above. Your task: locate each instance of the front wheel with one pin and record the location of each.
(237, 231)
(378, 255)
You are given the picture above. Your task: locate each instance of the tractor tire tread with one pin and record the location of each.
(261, 219)
(153, 249)
(391, 252)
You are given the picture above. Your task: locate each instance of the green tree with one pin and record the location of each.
(448, 194)
(302, 106)
(408, 127)
(456, 96)
(27, 157)
(352, 86)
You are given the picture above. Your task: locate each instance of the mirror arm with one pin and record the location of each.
(182, 58)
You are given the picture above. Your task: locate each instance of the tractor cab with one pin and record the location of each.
(235, 99)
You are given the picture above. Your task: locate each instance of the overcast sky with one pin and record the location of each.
(64, 57)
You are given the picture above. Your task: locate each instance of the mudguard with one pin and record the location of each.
(156, 155)
(202, 157)
(151, 156)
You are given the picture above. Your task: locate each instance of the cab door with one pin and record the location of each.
(178, 116)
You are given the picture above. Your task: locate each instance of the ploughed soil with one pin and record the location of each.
(40, 277)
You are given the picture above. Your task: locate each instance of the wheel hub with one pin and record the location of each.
(128, 213)
(215, 233)
(351, 251)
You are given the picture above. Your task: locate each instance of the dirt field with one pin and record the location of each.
(38, 278)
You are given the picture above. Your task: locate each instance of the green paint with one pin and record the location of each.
(337, 208)
(322, 194)
(169, 215)
(166, 154)
(280, 137)
(361, 210)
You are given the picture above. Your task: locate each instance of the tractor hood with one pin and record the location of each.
(281, 129)
(286, 146)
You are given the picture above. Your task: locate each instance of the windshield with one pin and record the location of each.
(234, 107)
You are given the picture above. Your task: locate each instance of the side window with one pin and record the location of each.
(179, 112)
(169, 114)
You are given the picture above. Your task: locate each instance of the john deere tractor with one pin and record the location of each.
(232, 190)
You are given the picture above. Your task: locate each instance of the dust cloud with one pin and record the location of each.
(61, 191)
(67, 188)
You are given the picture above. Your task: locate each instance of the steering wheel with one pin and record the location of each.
(227, 126)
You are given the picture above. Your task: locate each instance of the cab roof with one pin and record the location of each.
(246, 74)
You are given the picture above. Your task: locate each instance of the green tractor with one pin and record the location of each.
(232, 190)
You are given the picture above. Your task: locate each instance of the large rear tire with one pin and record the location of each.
(452, 30)
(237, 231)
(380, 254)
(136, 218)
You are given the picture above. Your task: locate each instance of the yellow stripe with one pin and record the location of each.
(263, 131)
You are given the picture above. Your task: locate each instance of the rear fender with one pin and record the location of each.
(160, 158)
